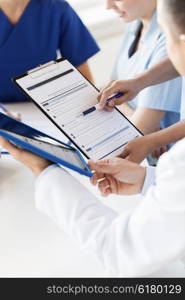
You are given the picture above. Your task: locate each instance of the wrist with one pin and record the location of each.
(154, 140)
(142, 82)
(160, 138)
(37, 170)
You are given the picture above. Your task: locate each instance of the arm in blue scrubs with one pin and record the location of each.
(45, 27)
(166, 96)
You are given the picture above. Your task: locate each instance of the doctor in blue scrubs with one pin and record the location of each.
(143, 46)
(32, 32)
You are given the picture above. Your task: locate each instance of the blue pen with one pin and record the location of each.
(88, 111)
(4, 153)
(118, 95)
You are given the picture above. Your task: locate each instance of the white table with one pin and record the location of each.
(30, 243)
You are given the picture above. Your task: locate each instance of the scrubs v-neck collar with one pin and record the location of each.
(135, 30)
(11, 28)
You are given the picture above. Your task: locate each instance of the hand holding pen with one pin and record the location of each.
(128, 88)
(111, 102)
(107, 103)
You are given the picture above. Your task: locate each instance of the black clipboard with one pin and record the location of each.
(54, 63)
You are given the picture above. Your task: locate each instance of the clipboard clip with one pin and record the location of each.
(41, 68)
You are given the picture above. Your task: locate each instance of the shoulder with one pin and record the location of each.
(157, 46)
(55, 4)
(155, 37)
(159, 38)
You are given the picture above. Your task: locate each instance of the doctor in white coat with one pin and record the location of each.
(151, 239)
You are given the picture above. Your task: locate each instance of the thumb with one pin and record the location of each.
(102, 166)
(105, 94)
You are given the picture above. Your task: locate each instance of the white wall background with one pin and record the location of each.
(107, 29)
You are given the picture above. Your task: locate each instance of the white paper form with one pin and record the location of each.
(63, 94)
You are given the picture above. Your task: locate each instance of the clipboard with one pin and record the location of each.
(43, 145)
(55, 95)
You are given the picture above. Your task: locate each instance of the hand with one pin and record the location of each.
(130, 88)
(32, 161)
(138, 149)
(159, 151)
(117, 176)
(14, 115)
(11, 114)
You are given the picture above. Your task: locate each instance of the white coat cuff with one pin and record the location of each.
(46, 170)
(149, 179)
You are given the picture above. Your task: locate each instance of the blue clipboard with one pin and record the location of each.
(22, 135)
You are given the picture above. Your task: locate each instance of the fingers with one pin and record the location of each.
(164, 149)
(99, 168)
(107, 108)
(125, 98)
(104, 187)
(114, 88)
(96, 177)
(129, 89)
(106, 93)
(35, 163)
(14, 115)
(156, 154)
(108, 85)
(103, 166)
(159, 151)
(13, 150)
(108, 186)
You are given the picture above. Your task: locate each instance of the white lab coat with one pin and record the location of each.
(150, 240)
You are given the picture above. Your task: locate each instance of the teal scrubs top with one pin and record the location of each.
(45, 28)
(165, 96)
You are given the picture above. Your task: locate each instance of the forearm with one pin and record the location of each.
(169, 135)
(141, 119)
(127, 110)
(162, 72)
(86, 72)
(147, 120)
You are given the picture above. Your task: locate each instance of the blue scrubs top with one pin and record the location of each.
(183, 100)
(45, 27)
(165, 96)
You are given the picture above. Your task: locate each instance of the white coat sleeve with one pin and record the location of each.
(128, 245)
